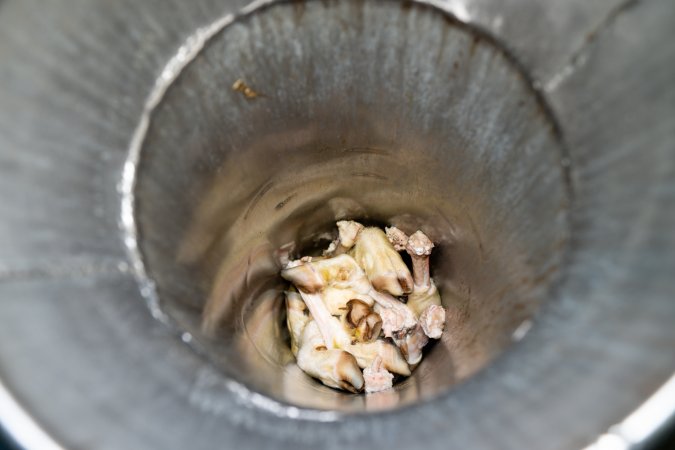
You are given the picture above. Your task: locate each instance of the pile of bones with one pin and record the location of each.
(356, 315)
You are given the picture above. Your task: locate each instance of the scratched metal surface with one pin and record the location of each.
(83, 357)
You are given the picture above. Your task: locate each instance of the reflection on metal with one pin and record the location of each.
(24, 431)
(643, 424)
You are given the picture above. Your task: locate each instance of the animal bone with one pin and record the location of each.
(303, 276)
(344, 301)
(391, 357)
(340, 272)
(376, 377)
(335, 368)
(337, 299)
(422, 298)
(432, 321)
(356, 312)
(419, 248)
(296, 318)
(366, 325)
(383, 265)
(396, 321)
(411, 344)
(343, 272)
(397, 238)
(334, 335)
(348, 230)
(425, 299)
(369, 328)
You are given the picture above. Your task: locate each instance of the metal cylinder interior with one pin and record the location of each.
(430, 113)
(442, 132)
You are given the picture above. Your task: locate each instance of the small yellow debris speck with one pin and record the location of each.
(241, 86)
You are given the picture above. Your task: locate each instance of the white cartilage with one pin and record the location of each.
(382, 264)
(335, 368)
